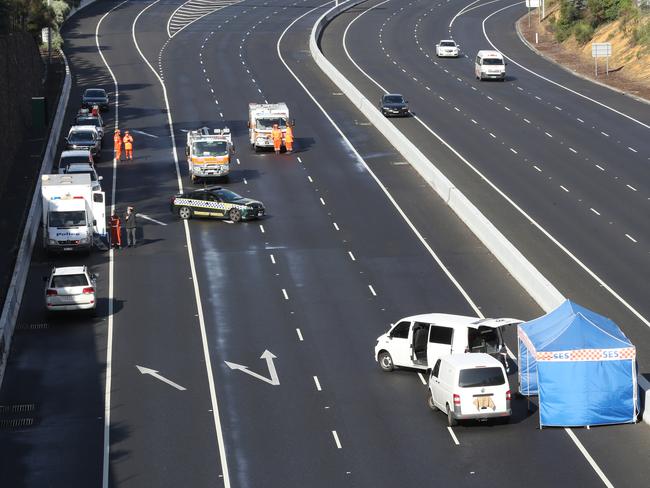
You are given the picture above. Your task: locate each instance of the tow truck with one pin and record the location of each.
(208, 153)
(261, 118)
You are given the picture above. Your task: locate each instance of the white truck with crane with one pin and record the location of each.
(73, 213)
(208, 153)
(261, 118)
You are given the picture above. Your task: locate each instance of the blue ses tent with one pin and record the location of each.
(581, 366)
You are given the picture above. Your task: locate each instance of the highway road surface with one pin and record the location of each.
(240, 355)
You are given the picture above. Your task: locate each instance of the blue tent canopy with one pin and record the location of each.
(581, 366)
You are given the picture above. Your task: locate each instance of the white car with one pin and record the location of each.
(84, 168)
(418, 341)
(70, 288)
(447, 48)
(469, 386)
(490, 65)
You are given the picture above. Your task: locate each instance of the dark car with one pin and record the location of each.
(74, 157)
(216, 202)
(95, 96)
(83, 137)
(394, 105)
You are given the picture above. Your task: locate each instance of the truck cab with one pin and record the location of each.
(208, 153)
(261, 118)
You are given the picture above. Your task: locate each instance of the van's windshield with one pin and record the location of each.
(472, 378)
(211, 148)
(267, 123)
(64, 220)
(493, 61)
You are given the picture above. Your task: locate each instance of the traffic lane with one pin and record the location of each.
(56, 370)
(294, 182)
(322, 275)
(481, 114)
(57, 361)
(546, 258)
(501, 31)
(515, 102)
(156, 326)
(633, 439)
(566, 446)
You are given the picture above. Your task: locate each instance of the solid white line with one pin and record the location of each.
(204, 339)
(111, 278)
(336, 226)
(284, 293)
(299, 335)
(588, 457)
(453, 436)
(548, 79)
(372, 290)
(351, 256)
(151, 219)
(492, 185)
(317, 383)
(272, 259)
(336, 439)
(630, 238)
(424, 382)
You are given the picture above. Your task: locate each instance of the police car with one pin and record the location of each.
(216, 202)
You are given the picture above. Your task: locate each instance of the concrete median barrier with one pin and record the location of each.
(530, 278)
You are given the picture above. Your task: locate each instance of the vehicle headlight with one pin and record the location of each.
(53, 241)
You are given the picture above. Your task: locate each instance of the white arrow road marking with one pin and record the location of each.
(144, 133)
(146, 217)
(268, 356)
(155, 374)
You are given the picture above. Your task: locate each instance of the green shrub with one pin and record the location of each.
(583, 32)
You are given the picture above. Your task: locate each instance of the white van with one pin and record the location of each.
(418, 341)
(469, 386)
(490, 64)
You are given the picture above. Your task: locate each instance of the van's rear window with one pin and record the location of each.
(470, 378)
(63, 281)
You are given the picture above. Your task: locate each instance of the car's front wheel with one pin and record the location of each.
(185, 213)
(235, 214)
(386, 361)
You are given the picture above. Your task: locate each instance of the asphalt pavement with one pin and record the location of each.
(353, 241)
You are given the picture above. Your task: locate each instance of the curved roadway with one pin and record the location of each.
(353, 241)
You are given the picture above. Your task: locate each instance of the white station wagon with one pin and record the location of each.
(70, 288)
(418, 341)
(469, 386)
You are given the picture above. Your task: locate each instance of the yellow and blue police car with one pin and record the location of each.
(216, 202)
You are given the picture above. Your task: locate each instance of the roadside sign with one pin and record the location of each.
(533, 3)
(601, 49)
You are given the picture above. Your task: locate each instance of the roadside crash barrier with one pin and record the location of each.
(14, 296)
(536, 285)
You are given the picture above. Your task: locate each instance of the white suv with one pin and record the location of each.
(70, 288)
(469, 386)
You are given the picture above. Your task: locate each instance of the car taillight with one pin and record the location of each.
(88, 291)
(456, 400)
(508, 396)
(51, 293)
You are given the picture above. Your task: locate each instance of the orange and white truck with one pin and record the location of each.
(208, 153)
(261, 118)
